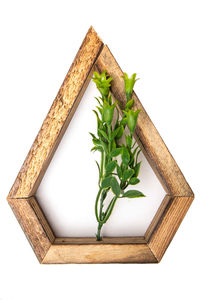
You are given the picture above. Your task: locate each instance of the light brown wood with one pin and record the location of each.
(42, 219)
(105, 240)
(34, 225)
(168, 224)
(153, 146)
(99, 253)
(58, 118)
(50, 249)
(157, 217)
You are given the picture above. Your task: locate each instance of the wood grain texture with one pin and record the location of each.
(157, 217)
(168, 224)
(101, 253)
(105, 240)
(34, 225)
(57, 119)
(153, 146)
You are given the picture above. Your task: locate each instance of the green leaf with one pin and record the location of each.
(108, 111)
(97, 148)
(110, 100)
(129, 104)
(97, 142)
(98, 101)
(129, 84)
(113, 145)
(132, 194)
(133, 155)
(103, 134)
(134, 181)
(117, 120)
(135, 150)
(96, 114)
(123, 167)
(106, 182)
(99, 122)
(96, 75)
(114, 133)
(129, 141)
(100, 143)
(119, 171)
(123, 121)
(115, 152)
(98, 165)
(111, 166)
(94, 137)
(100, 109)
(125, 156)
(137, 169)
(132, 117)
(137, 155)
(127, 174)
(120, 133)
(115, 186)
(102, 82)
(113, 183)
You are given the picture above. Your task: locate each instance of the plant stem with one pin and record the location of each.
(103, 196)
(96, 204)
(98, 235)
(109, 141)
(106, 217)
(102, 166)
(110, 209)
(101, 215)
(100, 193)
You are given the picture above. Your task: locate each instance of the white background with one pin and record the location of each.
(160, 41)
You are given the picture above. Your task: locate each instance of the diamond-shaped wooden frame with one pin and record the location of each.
(47, 247)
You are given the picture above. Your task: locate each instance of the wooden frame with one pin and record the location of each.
(47, 247)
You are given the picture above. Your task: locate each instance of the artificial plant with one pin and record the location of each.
(119, 166)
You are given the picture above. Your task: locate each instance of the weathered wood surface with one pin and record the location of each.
(34, 225)
(168, 224)
(58, 118)
(105, 240)
(157, 217)
(103, 253)
(153, 146)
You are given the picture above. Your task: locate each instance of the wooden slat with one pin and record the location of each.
(135, 253)
(42, 219)
(106, 240)
(168, 224)
(58, 118)
(157, 217)
(34, 225)
(153, 146)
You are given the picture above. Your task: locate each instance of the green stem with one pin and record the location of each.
(96, 204)
(98, 235)
(101, 215)
(109, 209)
(109, 141)
(102, 166)
(103, 196)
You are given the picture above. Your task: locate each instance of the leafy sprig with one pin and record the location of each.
(119, 166)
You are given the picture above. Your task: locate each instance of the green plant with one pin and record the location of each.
(119, 166)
